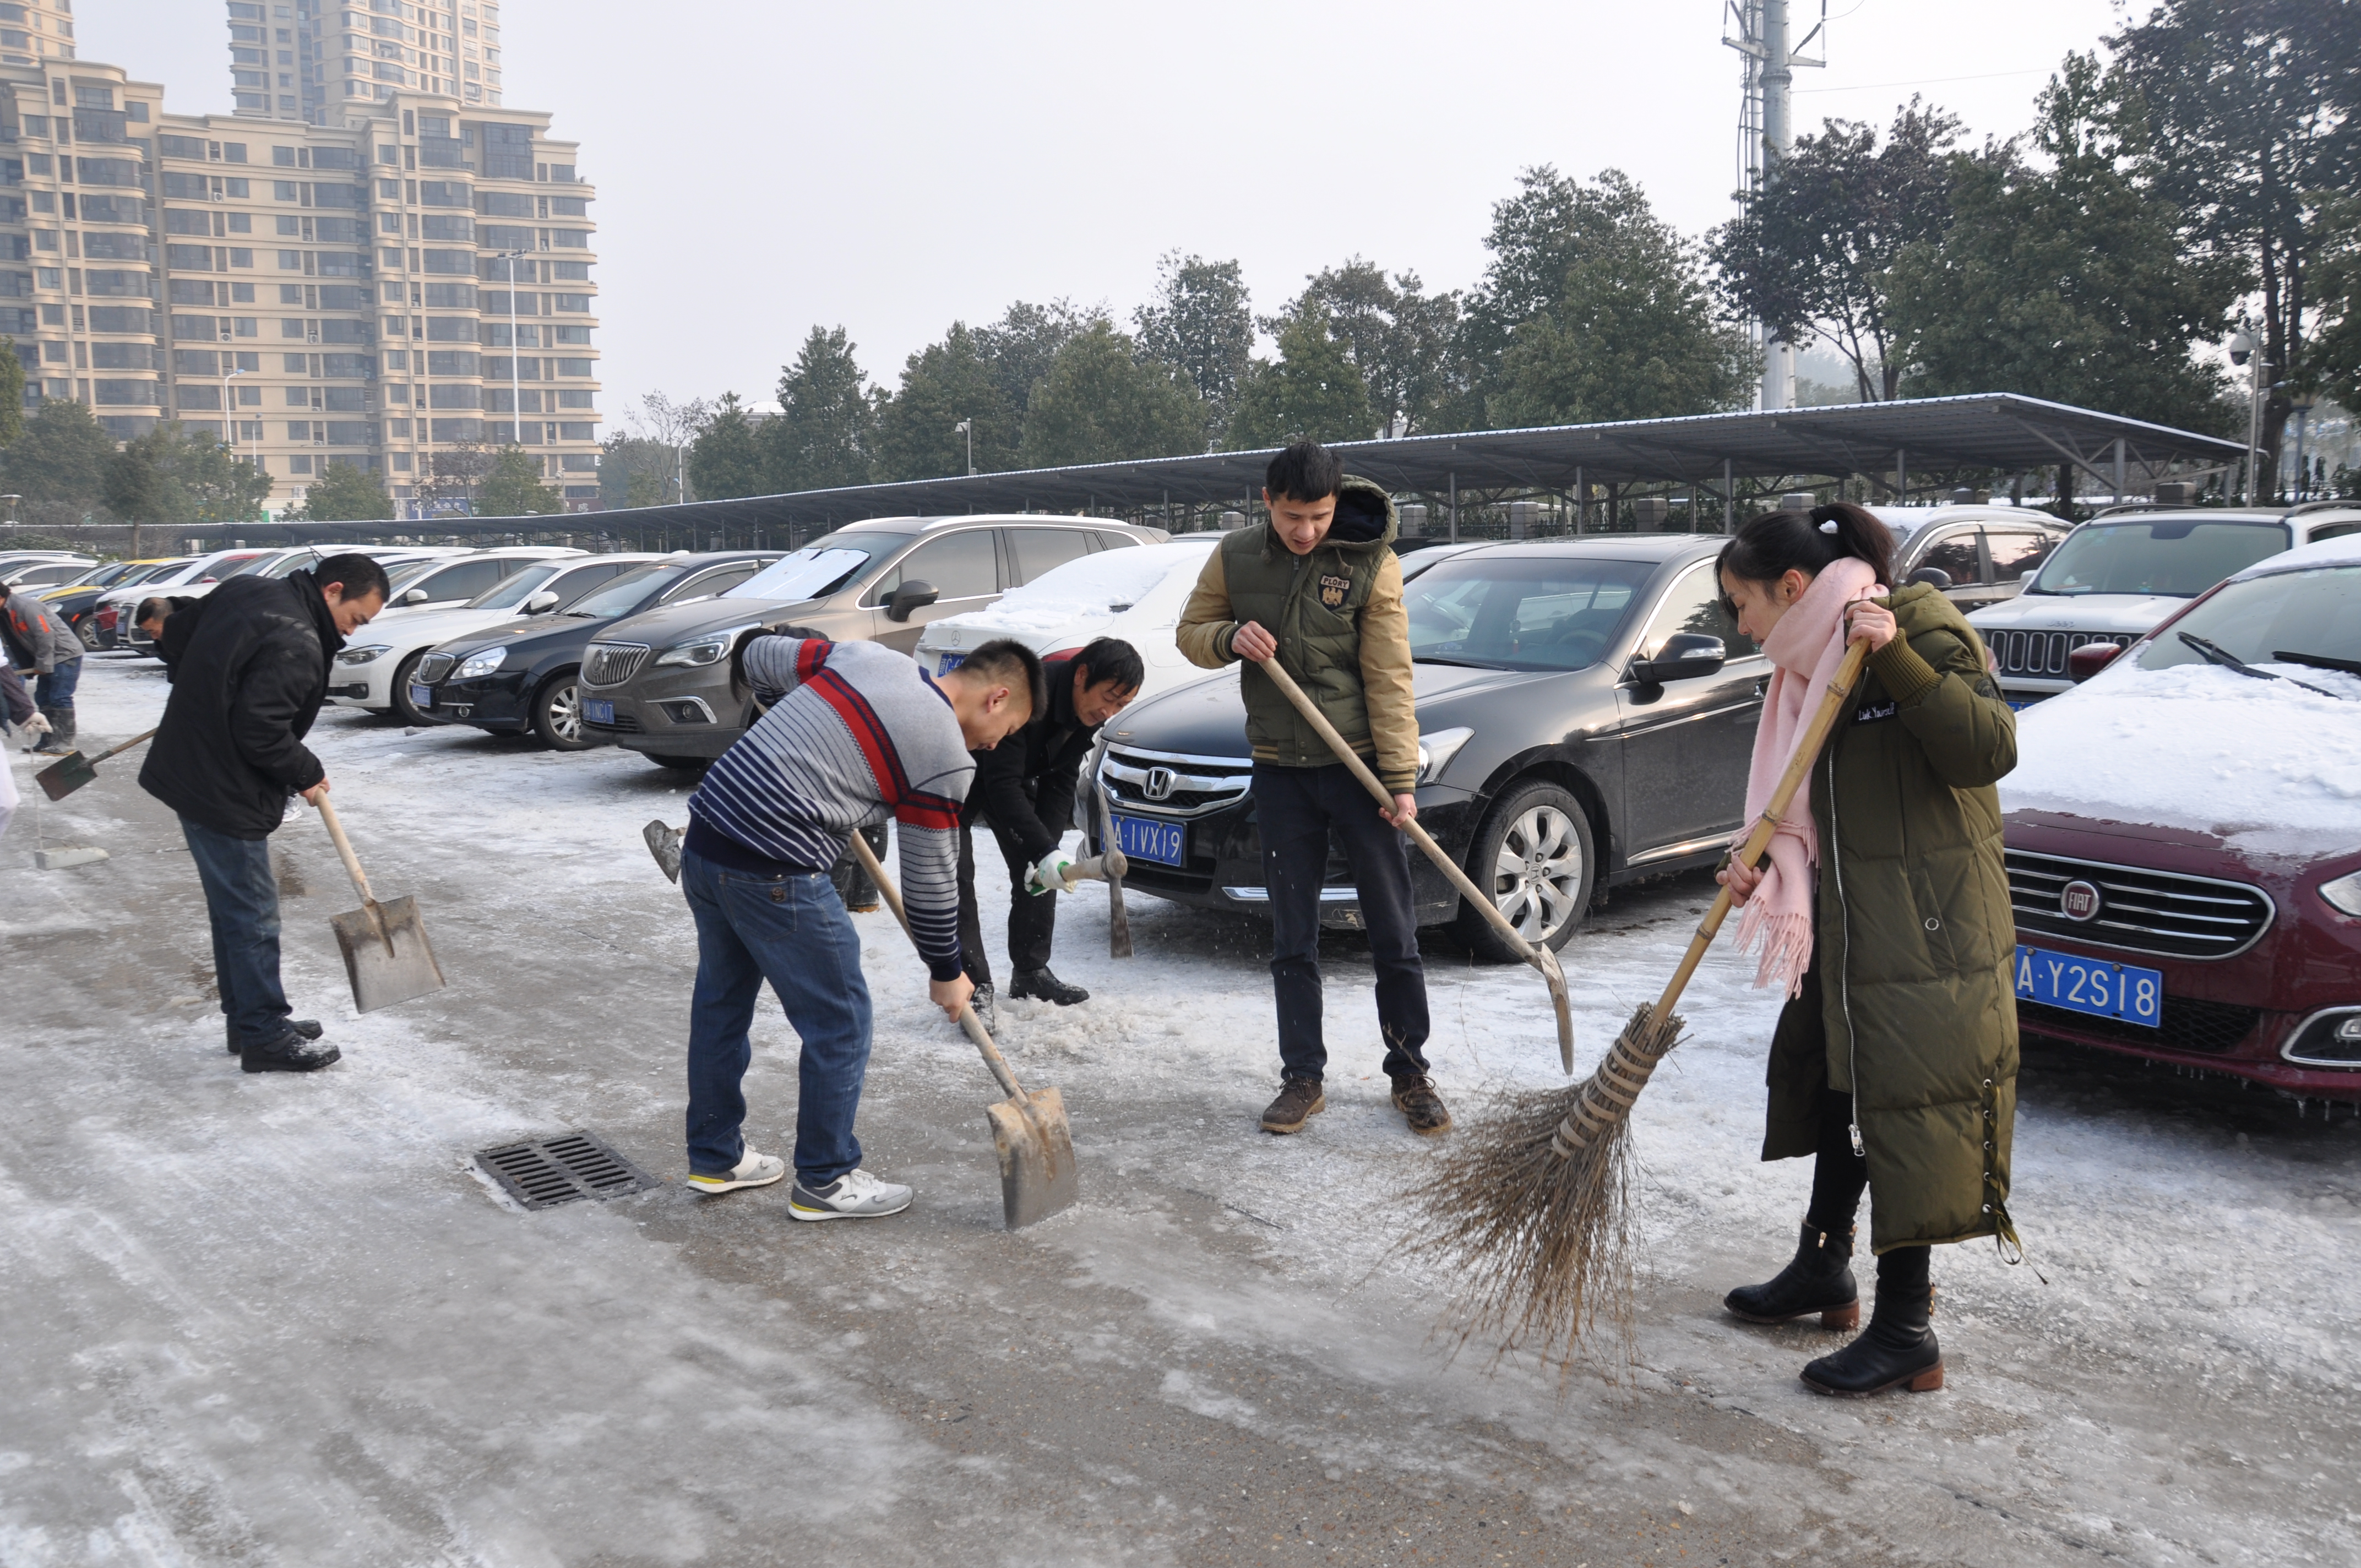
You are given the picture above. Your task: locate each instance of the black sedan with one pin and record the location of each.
(519, 676)
(1585, 709)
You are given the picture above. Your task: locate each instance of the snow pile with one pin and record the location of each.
(1087, 586)
(2266, 765)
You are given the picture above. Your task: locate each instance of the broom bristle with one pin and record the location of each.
(1535, 1224)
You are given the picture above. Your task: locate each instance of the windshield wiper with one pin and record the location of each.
(2214, 654)
(1462, 663)
(2318, 660)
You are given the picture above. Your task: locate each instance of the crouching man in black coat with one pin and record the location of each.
(249, 671)
(1024, 791)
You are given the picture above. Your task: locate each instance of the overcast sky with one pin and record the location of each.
(894, 167)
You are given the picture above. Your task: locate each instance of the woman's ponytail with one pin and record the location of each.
(1768, 546)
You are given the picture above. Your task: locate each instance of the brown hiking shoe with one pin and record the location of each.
(1421, 1106)
(1299, 1101)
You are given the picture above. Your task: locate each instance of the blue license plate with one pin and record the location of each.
(421, 697)
(1165, 843)
(2095, 986)
(596, 710)
(945, 663)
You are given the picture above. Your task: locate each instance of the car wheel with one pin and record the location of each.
(87, 630)
(558, 714)
(1533, 854)
(401, 707)
(680, 764)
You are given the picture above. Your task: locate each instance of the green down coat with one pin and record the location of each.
(1911, 1004)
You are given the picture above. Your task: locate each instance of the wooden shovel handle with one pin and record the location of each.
(345, 852)
(1799, 766)
(118, 751)
(967, 1020)
(1110, 867)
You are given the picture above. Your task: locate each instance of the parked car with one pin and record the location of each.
(106, 611)
(2184, 836)
(398, 559)
(2117, 575)
(377, 672)
(660, 683)
(12, 559)
(195, 575)
(1984, 553)
(73, 602)
(1135, 594)
(1587, 713)
(523, 676)
(51, 574)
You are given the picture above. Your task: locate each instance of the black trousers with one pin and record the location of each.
(1298, 811)
(1839, 1178)
(1032, 917)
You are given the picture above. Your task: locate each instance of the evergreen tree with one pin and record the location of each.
(826, 426)
(512, 486)
(943, 384)
(1311, 390)
(726, 458)
(1399, 337)
(1201, 324)
(61, 455)
(12, 394)
(1101, 404)
(345, 492)
(1021, 346)
(166, 476)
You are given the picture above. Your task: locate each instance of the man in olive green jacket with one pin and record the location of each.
(1319, 588)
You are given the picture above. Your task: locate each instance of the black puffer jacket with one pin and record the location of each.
(250, 669)
(1025, 784)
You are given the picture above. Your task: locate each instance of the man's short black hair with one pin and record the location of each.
(5, 590)
(1112, 659)
(360, 575)
(1004, 662)
(1303, 471)
(157, 609)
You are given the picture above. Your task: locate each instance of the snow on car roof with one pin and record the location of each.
(2269, 767)
(2342, 552)
(1093, 585)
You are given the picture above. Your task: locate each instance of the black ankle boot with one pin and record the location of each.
(1040, 985)
(1897, 1349)
(1818, 1278)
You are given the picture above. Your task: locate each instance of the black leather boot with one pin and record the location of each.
(1897, 1349)
(1039, 984)
(1818, 1278)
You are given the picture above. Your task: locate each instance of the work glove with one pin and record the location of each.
(1049, 876)
(37, 725)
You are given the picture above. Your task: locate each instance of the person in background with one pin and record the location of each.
(1024, 792)
(43, 645)
(17, 712)
(250, 668)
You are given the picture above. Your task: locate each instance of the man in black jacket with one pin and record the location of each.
(249, 671)
(1024, 791)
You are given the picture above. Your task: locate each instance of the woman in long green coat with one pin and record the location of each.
(1893, 1064)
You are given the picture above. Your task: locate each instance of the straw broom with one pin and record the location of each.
(1531, 1212)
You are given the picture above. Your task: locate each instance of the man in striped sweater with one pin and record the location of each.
(855, 733)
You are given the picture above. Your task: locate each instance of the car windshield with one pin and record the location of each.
(1520, 613)
(408, 572)
(2178, 556)
(623, 594)
(516, 587)
(2283, 617)
(819, 568)
(247, 569)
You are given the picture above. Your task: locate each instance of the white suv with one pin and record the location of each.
(2117, 575)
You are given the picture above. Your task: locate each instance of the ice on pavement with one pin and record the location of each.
(275, 1318)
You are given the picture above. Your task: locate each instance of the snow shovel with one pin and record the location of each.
(1029, 1131)
(73, 769)
(1118, 915)
(386, 951)
(1541, 958)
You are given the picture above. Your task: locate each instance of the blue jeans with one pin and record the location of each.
(793, 931)
(56, 689)
(242, 901)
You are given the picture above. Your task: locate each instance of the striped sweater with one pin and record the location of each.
(855, 733)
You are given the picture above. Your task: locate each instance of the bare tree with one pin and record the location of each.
(673, 425)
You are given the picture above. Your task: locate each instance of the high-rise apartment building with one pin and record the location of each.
(313, 60)
(37, 31)
(401, 283)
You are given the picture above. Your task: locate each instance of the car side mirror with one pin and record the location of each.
(2089, 660)
(1685, 656)
(911, 597)
(540, 603)
(1933, 576)
(415, 596)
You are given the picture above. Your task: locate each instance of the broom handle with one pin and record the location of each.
(1369, 781)
(1807, 751)
(967, 1020)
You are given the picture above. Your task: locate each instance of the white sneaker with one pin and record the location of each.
(754, 1171)
(855, 1195)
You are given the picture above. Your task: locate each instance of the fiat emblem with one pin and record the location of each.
(2079, 900)
(1159, 785)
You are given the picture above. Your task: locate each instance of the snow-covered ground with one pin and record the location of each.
(277, 1320)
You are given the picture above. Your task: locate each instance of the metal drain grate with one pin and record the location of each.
(542, 1173)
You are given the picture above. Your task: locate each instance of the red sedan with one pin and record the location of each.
(2184, 836)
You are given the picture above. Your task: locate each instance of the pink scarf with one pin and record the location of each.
(1803, 648)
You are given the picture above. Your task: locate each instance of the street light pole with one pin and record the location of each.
(967, 427)
(516, 375)
(2246, 351)
(229, 412)
(2303, 404)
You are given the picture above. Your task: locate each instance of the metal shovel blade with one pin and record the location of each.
(386, 953)
(65, 776)
(1036, 1155)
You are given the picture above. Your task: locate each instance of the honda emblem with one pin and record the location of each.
(1159, 785)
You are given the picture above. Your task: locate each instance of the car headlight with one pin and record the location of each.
(482, 663)
(366, 655)
(2344, 894)
(709, 649)
(1435, 752)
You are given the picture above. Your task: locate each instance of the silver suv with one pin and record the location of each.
(660, 683)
